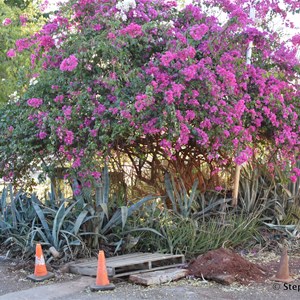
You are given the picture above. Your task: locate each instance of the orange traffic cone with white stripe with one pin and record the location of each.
(283, 274)
(102, 281)
(40, 270)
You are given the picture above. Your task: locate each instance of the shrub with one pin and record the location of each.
(144, 77)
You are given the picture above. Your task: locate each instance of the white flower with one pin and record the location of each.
(14, 97)
(124, 7)
(124, 17)
(33, 81)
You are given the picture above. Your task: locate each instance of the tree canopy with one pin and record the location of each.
(145, 77)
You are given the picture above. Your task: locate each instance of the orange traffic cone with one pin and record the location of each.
(102, 281)
(283, 273)
(40, 270)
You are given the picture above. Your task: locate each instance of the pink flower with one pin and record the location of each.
(93, 132)
(296, 40)
(77, 192)
(11, 53)
(69, 64)
(218, 188)
(296, 171)
(243, 156)
(167, 58)
(198, 31)
(42, 135)
(76, 163)
(134, 30)
(97, 27)
(49, 28)
(293, 178)
(184, 135)
(111, 36)
(23, 20)
(177, 89)
(46, 41)
(23, 44)
(141, 102)
(6, 22)
(96, 174)
(190, 72)
(169, 97)
(67, 110)
(69, 137)
(190, 115)
(35, 102)
(59, 99)
(99, 109)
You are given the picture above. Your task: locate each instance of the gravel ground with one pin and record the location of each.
(14, 278)
(188, 289)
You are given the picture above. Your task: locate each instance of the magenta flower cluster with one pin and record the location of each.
(198, 31)
(35, 102)
(6, 22)
(156, 77)
(69, 64)
(11, 53)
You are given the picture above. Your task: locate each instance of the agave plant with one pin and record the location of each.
(57, 227)
(16, 217)
(261, 192)
(181, 200)
(100, 217)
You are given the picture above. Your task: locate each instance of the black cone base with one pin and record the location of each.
(95, 288)
(40, 278)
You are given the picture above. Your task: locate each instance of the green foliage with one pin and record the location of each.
(25, 220)
(22, 4)
(192, 236)
(73, 226)
(269, 194)
(181, 200)
(197, 222)
(102, 217)
(11, 85)
(292, 216)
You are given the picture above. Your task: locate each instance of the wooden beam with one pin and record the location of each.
(235, 192)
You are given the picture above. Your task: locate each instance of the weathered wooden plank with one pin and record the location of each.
(158, 277)
(144, 259)
(93, 261)
(122, 261)
(126, 256)
(146, 270)
(141, 258)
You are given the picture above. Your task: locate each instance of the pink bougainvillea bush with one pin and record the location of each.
(147, 77)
